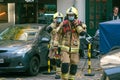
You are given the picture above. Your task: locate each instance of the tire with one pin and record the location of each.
(33, 66)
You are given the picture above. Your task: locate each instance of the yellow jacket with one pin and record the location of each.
(69, 35)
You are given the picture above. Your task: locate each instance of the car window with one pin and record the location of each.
(19, 33)
(28, 34)
(10, 33)
(46, 18)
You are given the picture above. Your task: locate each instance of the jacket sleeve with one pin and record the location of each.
(59, 27)
(50, 28)
(81, 29)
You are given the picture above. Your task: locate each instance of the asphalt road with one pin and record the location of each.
(82, 70)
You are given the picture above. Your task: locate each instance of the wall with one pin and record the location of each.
(63, 5)
(11, 13)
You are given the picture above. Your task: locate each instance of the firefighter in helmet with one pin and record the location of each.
(70, 30)
(54, 53)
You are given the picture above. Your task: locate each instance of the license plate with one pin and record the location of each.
(1, 60)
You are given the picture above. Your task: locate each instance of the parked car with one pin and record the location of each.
(110, 63)
(23, 49)
(45, 18)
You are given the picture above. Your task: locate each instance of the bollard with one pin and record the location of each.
(49, 72)
(49, 66)
(89, 62)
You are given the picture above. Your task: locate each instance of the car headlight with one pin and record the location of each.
(22, 50)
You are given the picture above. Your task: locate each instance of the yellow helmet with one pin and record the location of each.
(57, 14)
(72, 10)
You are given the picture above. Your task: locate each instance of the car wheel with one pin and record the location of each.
(34, 66)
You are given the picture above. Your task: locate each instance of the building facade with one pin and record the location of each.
(91, 12)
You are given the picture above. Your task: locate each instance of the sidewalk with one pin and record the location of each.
(83, 69)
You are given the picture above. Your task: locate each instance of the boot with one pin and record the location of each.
(57, 76)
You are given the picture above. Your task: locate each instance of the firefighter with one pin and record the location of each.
(70, 30)
(54, 53)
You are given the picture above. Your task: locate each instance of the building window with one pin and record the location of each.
(96, 12)
(3, 13)
(45, 13)
(35, 11)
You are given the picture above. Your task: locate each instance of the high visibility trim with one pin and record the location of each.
(73, 50)
(89, 46)
(65, 76)
(72, 77)
(58, 69)
(48, 65)
(89, 71)
(89, 62)
(48, 45)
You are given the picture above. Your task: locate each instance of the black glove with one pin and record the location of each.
(83, 33)
(59, 50)
(49, 29)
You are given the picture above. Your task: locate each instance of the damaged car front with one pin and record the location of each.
(110, 64)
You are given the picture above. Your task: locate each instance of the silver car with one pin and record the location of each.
(110, 64)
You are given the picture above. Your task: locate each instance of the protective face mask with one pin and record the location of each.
(71, 18)
(59, 20)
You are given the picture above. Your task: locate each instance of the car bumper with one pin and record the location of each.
(14, 64)
(13, 69)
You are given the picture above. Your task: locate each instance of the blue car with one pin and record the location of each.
(24, 49)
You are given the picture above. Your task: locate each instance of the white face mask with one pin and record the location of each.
(71, 18)
(58, 20)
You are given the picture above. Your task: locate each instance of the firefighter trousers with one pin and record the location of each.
(69, 65)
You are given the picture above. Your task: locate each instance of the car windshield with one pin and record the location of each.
(19, 33)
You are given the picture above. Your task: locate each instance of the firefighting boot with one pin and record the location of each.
(58, 73)
(71, 77)
(65, 70)
(73, 70)
(64, 76)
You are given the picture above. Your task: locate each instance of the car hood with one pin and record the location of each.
(111, 60)
(11, 45)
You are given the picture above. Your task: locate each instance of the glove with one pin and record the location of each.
(82, 33)
(49, 29)
(59, 50)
